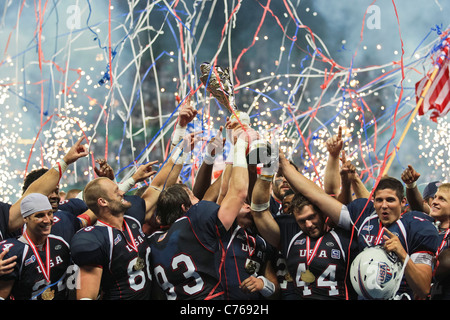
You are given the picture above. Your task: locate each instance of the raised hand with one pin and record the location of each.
(409, 175)
(76, 152)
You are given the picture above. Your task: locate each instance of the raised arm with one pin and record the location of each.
(415, 200)
(169, 173)
(299, 183)
(332, 179)
(47, 182)
(238, 186)
(351, 183)
(260, 206)
(203, 179)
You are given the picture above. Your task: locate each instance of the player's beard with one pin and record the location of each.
(119, 207)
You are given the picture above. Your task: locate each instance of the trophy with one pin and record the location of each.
(217, 82)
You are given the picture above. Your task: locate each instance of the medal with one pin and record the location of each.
(48, 294)
(251, 267)
(139, 265)
(307, 276)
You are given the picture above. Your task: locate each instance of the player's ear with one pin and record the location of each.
(101, 202)
(183, 207)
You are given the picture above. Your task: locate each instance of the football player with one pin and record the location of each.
(42, 258)
(248, 273)
(316, 256)
(11, 220)
(112, 255)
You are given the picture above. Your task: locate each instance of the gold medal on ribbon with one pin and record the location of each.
(251, 266)
(48, 294)
(307, 276)
(139, 265)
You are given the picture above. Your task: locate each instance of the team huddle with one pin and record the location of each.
(259, 230)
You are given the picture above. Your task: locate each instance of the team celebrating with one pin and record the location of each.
(261, 230)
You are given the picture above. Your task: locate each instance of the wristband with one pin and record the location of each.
(230, 156)
(260, 206)
(411, 185)
(85, 216)
(239, 159)
(208, 159)
(269, 287)
(178, 134)
(127, 184)
(178, 156)
(61, 167)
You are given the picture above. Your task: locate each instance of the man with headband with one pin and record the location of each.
(11, 220)
(42, 258)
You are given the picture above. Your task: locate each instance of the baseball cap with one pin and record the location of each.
(430, 189)
(34, 202)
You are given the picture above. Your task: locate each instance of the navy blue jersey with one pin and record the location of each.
(29, 281)
(186, 259)
(65, 224)
(275, 207)
(246, 255)
(444, 241)
(4, 220)
(112, 249)
(328, 265)
(287, 286)
(74, 206)
(137, 209)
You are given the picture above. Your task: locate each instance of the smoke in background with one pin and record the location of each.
(119, 74)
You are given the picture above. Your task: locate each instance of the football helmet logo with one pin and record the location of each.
(376, 274)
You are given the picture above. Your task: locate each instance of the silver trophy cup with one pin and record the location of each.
(217, 82)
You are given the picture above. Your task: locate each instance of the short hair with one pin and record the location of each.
(73, 193)
(32, 176)
(444, 187)
(393, 184)
(299, 201)
(92, 192)
(168, 206)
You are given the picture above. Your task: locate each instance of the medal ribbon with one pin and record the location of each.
(380, 234)
(444, 241)
(45, 271)
(316, 247)
(251, 250)
(133, 245)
